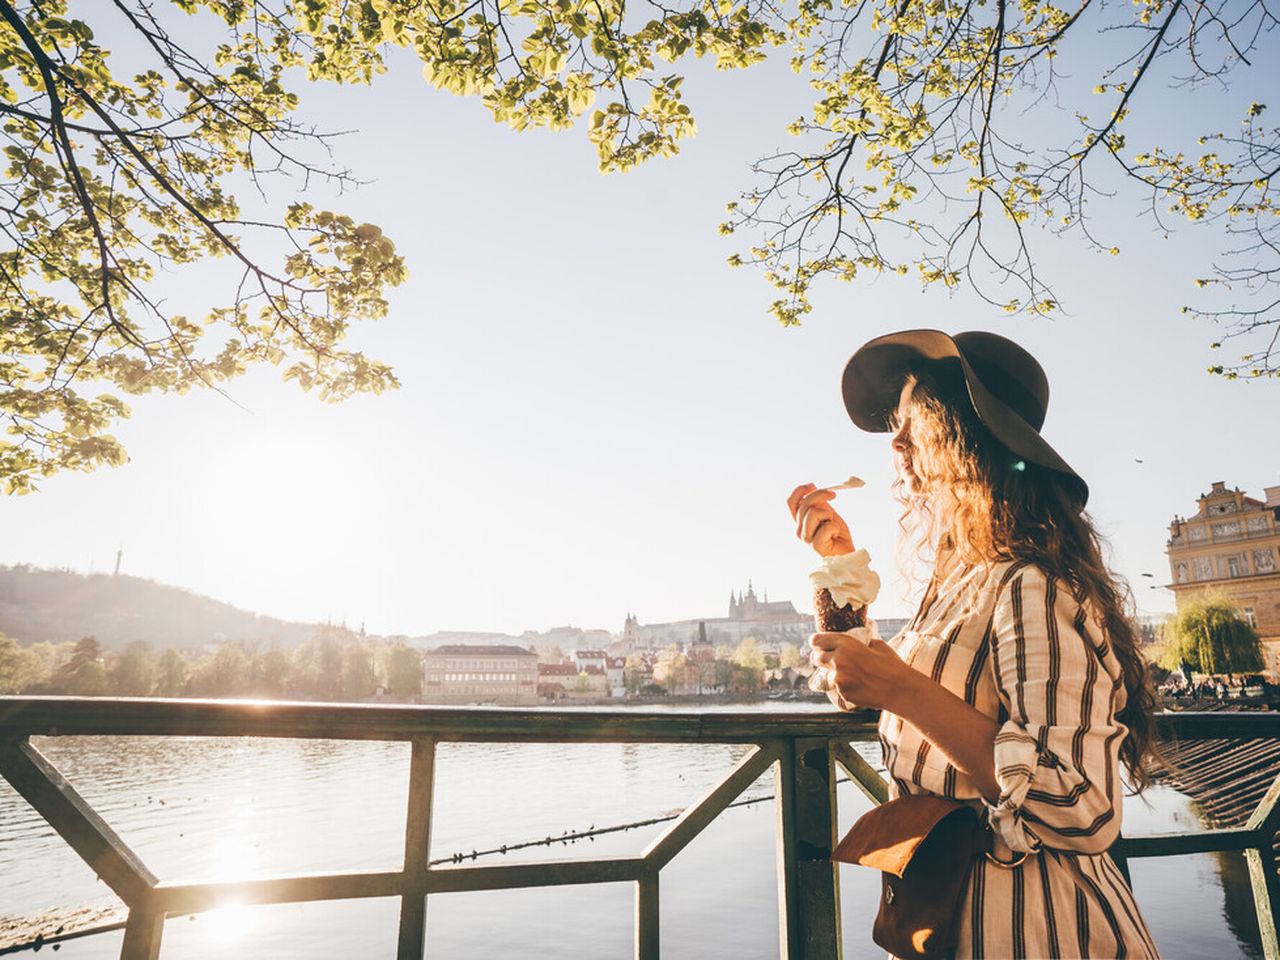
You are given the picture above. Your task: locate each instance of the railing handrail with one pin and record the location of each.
(152, 716)
(309, 720)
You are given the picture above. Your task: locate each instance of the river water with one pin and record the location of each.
(225, 809)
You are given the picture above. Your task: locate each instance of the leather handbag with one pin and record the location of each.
(925, 846)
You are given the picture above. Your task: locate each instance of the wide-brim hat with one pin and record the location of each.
(1007, 387)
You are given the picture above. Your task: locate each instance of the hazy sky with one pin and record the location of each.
(598, 415)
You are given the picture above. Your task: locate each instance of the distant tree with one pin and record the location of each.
(132, 671)
(675, 668)
(19, 668)
(745, 679)
(358, 677)
(404, 671)
(172, 674)
(317, 667)
(83, 674)
(748, 655)
(791, 656)
(45, 659)
(223, 674)
(269, 674)
(724, 672)
(1211, 637)
(633, 673)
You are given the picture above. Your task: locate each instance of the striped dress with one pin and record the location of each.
(1019, 647)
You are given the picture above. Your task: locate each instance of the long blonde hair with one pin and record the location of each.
(986, 504)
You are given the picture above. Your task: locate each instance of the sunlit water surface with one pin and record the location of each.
(226, 809)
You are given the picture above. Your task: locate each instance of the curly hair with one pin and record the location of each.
(986, 504)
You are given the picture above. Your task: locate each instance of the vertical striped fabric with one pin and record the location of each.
(1018, 646)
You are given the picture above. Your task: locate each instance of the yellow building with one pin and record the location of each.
(1231, 547)
(470, 673)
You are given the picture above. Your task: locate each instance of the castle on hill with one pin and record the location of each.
(748, 615)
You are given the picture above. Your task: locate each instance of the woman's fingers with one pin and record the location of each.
(798, 494)
(813, 517)
(827, 641)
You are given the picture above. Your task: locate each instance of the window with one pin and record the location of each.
(1232, 567)
(1249, 618)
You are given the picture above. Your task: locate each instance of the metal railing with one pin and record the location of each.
(803, 750)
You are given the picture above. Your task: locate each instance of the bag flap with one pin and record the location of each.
(888, 836)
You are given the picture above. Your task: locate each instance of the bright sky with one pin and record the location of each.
(598, 415)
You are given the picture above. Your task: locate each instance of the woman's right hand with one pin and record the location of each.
(817, 522)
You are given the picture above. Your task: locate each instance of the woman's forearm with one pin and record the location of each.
(966, 736)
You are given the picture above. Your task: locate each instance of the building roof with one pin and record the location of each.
(592, 670)
(589, 654)
(545, 688)
(470, 650)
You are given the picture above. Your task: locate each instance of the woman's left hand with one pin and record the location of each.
(866, 675)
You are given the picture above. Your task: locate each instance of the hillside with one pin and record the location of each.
(58, 605)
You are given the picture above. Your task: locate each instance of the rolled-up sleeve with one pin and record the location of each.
(1057, 755)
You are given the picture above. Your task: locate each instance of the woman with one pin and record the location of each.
(1017, 686)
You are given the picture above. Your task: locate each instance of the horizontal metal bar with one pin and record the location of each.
(1240, 725)
(1178, 844)
(539, 873)
(102, 716)
(94, 716)
(301, 888)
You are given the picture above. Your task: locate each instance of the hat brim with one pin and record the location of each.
(872, 385)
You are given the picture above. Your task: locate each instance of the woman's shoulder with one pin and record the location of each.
(1022, 574)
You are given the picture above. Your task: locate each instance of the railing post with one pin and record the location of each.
(647, 922)
(1266, 896)
(417, 849)
(143, 931)
(808, 881)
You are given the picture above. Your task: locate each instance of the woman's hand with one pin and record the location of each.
(817, 522)
(866, 674)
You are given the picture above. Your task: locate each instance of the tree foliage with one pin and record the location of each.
(940, 133)
(118, 172)
(335, 664)
(1211, 637)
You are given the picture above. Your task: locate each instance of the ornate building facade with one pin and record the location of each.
(1231, 546)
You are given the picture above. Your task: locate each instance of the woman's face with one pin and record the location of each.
(904, 451)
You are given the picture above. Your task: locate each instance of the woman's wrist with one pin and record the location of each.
(910, 694)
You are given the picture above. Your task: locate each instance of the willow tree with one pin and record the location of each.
(915, 157)
(1209, 636)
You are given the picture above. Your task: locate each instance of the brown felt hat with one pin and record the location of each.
(1007, 387)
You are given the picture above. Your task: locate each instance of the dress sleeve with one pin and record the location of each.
(1057, 756)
